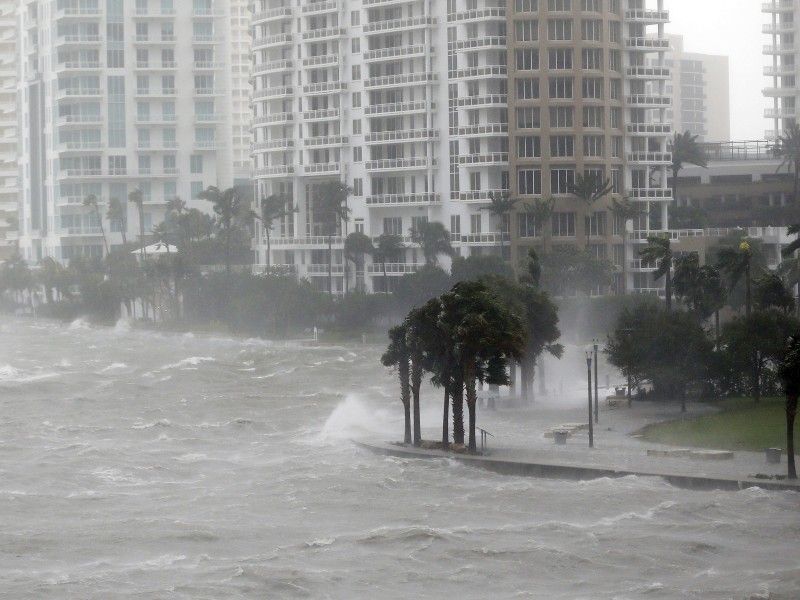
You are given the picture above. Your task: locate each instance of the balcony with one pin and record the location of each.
(273, 66)
(425, 199)
(398, 25)
(417, 50)
(208, 118)
(406, 135)
(205, 65)
(156, 93)
(495, 42)
(280, 118)
(82, 13)
(274, 171)
(274, 144)
(399, 108)
(647, 129)
(650, 158)
(155, 119)
(650, 193)
(281, 13)
(323, 60)
(78, 66)
(478, 14)
(164, 38)
(485, 239)
(276, 92)
(328, 33)
(648, 72)
(328, 87)
(779, 92)
(325, 114)
(279, 39)
(322, 168)
(647, 16)
(207, 145)
(318, 8)
(154, 146)
(208, 38)
(397, 164)
(383, 2)
(478, 160)
(643, 44)
(162, 66)
(78, 92)
(780, 70)
(779, 49)
(481, 101)
(322, 269)
(389, 81)
(482, 196)
(780, 113)
(778, 28)
(79, 40)
(325, 141)
(393, 269)
(78, 120)
(207, 13)
(648, 101)
(206, 91)
(68, 231)
(152, 14)
(81, 146)
(485, 130)
(777, 6)
(487, 71)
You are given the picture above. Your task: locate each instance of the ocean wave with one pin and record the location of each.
(187, 363)
(113, 367)
(9, 374)
(158, 423)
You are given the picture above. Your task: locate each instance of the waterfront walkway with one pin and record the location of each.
(521, 446)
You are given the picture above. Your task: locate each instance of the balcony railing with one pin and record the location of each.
(393, 269)
(398, 24)
(399, 108)
(390, 164)
(403, 199)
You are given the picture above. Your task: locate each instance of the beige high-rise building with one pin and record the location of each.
(700, 90)
(9, 191)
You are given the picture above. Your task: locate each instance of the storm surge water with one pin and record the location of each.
(143, 465)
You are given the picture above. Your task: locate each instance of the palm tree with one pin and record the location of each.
(356, 245)
(736, 263)
(434, 239)
(174, 220)
(789, 374)
(274, 207)
(137, 198)
(501, 206)
(118, 212)
(230, 206)
(624, 210)
(700, 287)
(658, 252)
(388, 247)
(790, 265)
(771, 292)
(787, 147)
(590, 189)
(331, 200)
(685, 150)
(396, 355)
(542, 211)
(91, 201)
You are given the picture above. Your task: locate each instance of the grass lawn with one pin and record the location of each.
(741, 424)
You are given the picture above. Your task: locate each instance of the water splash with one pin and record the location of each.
(123, 325)
(79, 323)
(354, 417)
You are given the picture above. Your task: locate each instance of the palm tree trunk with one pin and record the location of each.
(624, 259)
(458, 411)
(330, 265)
(416, 382)
(470, 383)
(747, 292)
(405, 397)
(791, 412)
(385, 278)
(269, 253)
(668, 289)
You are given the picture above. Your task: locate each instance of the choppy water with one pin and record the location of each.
(137, 464)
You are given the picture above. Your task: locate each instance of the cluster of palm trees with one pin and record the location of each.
(466, 337)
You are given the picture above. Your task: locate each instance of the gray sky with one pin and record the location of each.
(731, 28)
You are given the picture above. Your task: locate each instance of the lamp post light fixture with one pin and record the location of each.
(589, 380)
(596, 409)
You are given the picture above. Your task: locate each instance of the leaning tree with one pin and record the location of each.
(789, 373)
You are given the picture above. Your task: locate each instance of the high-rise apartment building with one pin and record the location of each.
(782, 52)
(8, 129)
(117, 96)
(428, 109)
(700, 93)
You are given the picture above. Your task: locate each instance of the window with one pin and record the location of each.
(355, 17)
(527, 226)
(528, 117)
(560, 87)
(356, 126)
(616, 181)
(357, 154)
(561, 116)
(356, 45)
(590, 5)
(559, 5)
(527, 89)
(529, 181)
(526, 6)
(614, 60)
(592, 87)
(593, 116)
(592, 58)
(527, 31)
(561, 180)
(529, 146)
(616, 147)
(591, 30)
(356, 99)
(596, 225)
(196, 163)
(614, 32)
(559, 30)
(559, 58)
(475, 181)
(562, 145)
(475, 223)
(356, 72)
(616, 118)
(393, 225)
(168, 163)
(615, 89)
(195, 187)
(358, 187)
(527, 59)
(593, 145)
(563, 224)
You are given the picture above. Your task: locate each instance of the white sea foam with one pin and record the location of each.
(354, 417)
(79, 323)
(188, 363)
(113, 367)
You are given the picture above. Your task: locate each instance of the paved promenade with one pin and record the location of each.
(519, 446)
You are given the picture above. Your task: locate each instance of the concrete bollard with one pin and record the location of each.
(774, 455)
(560, 436)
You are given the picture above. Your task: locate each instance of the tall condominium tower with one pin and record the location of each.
(117, 96)
(782, 30)
(8, 129)
(429, 110)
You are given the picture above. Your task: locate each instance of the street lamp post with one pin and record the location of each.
(589, 375)
(596, 409)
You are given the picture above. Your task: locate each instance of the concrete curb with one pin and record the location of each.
(576, 473)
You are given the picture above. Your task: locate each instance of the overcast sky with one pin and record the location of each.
(731, 28)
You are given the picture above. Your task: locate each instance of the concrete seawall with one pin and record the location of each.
(553, 470)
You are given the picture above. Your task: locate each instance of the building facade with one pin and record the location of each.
(781, 51)
(117, 96)
(8, 130)
(700, 93)
(428, 110)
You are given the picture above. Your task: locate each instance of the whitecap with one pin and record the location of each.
(79, 323)
(159, 423)
(113, 367)
(188, 363)
(320, 542)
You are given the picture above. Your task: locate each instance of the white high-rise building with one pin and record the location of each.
(117, 96)
(428, 109)
(782, 52)
(8, 129)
